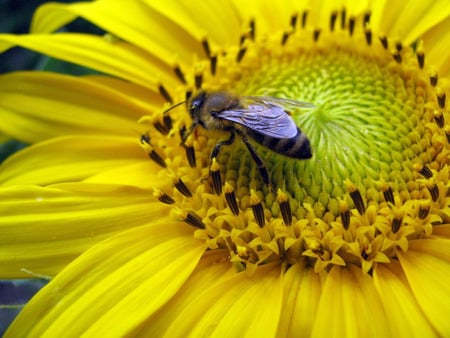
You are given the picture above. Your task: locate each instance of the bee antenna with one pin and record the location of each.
(173, 107)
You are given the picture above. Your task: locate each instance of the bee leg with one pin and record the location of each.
(258, 160)
(214, 171)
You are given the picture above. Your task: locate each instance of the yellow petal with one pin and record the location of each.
(212, 270)
(243, 305)
(42, 105)
(112, 288)
(43, 229)
(72, 158)
(302, 288)
(404, 312)
(116, 58)
(350, 306)
(442, 231)
(427, 268)
(408, 20)
(436, 42)
(155, 31)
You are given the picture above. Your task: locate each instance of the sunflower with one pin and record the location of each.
(149, 232)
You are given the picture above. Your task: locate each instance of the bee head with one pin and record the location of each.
(195, 104)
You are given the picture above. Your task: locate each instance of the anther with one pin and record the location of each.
(423, 170)
(230, 198)
(167, 120)
(356, 197)
(160, 127)
(434, 192)
(304, 18)
(345, 214)
(316, 34)
(285, 207)
(190, 152)
(366, 18)
(285, 37)
(206, 48)
(179, 74)
(420, 58)
(182, 188)
(241, 53)
(384, 41)
(343, 18)
(433, 78)
(215, 176)
(397, 56)
(439, 118)
(424, 209)
(165, 94)
(252, 29)
(294, 19)
(387, 193)
(191, 219)
(368, 35)
(440, 97)
(396, 223)
(447, 132)
(163, 197)
(333, 19)
(187, 95)
(145, 141)
(398, 46)
(198, 80)
(213, 64)
(351, 25)
(258, 210)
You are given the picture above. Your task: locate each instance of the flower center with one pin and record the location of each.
(379, 143)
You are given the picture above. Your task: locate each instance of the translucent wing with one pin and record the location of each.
(266, 115)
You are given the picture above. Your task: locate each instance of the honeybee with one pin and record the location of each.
(264, 119)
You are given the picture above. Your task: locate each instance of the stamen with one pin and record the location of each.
(190, 152)
(182, 188)
(434, 192)
(180, 74)
(285, 37)
(396, 221)
(424, 209)
(258, 210)
(160, 127)
(145, 141)
(368, 35)
(190, 218)
(206, 48)
(384, 41)
(213, 64)
(167, 120)
(285, 207)
(439, 118)
(333, 19)
(355, 194)
(440, 97)
(387, 193)
(187, 95)
(420, 56)
(304, 18)
(252, 30)
(294, 19)
(397, 56)
(423, 170)
(241, 53)
(316, 35)
(343, 18)
(366, 18)
(230, 198)
(198, 80)
(345, 214)
(398, 46)
(433, 78)
(165, 94)
(163, 197)
(215, 176)
(351, 25)
(447, 132)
